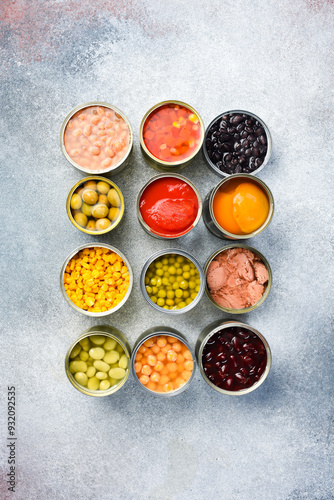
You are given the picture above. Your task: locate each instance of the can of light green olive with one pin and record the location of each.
(147, 228)
(159, 163)
(109, 332)
(204, 358)
(209, 216)
(164, 331)
(113, 169)
(268, 286)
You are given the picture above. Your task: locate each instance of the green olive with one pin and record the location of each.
(90, 196)
(113, 198)
(86, 209)
(103, 187)
(81, 219)
(102, 224)
(76, 201)
(99, 211)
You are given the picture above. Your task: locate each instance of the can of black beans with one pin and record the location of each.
(237, 142)
(212, 211)
(233, 358)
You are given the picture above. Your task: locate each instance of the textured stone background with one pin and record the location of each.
(271, 58)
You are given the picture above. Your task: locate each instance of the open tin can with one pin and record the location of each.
(183, 374)
(85, 344)
(191, 145)
(209, 216)
(233, 358)
(168, 234)
(85, 142)
(262, 281)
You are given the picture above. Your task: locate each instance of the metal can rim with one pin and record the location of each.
(269, 142)
(213, 328)
(153, 179)
(69, 213)
(163, 163)
(83, 311)
(153, 332)
(184, 254)
(265, 262)
(87, 170)
(120, 339)
(268, 192)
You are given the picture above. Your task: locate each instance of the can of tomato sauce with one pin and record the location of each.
(171, 135)
(169, 206)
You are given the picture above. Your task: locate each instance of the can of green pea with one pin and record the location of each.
(98, 362)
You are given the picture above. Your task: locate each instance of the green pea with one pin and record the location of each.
(184, 284)
(178, 293)
(162, 294)
(161, 302)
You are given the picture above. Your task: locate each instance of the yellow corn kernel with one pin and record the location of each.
(85, 265)
(193, 118)
(116, 276)
(95, 273)
(176, 125)
(89, 301)
(117, 266)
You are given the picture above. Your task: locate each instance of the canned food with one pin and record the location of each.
(98, 362)
(97, 138)
(95, 205)
(237, 142)
(171, 135)
(161, 362)
(233, 358)
(238, 278)
(239, 207)
(172, 281)
(169, 206)
(96, 279)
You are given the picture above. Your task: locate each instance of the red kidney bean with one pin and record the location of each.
(234, 358)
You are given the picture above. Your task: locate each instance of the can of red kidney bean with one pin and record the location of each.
(85, 141)
(177, 161)
(209, 216)
(233, 358)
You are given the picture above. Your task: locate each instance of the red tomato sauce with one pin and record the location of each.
(172, 132)
(169, 206)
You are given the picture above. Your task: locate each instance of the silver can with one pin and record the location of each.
(155, 332)
(266, 292)
(83, 311)
(109, 332)
(215, 327)
(143, 223)
(210, 220)
(176, 252)
(165, 166)
(114, 169)
(219, 117)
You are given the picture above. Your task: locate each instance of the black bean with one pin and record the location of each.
(224, 137)
(223, 124)
(238, 169)
(248, 152)
(263, 150)
(231, 130)
(225, 117)
(219, 164)
(245, 143)
(237, 146)
(246, 170)
(251, 137)
(243, 134)
(214, 135)
(208, 143)
(228, 157)
(234, 161)
(240, 127)
(215, 146)
(259, 131)
(226, 146)
(242, 159)
(249, 129)
(255, 152)
(217, 156)
(263, 139)
(249, 122)
(258, 162)
(236, 119)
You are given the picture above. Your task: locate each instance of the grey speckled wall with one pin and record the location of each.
(271, 58)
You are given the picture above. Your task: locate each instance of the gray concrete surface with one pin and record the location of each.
(271, 58)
